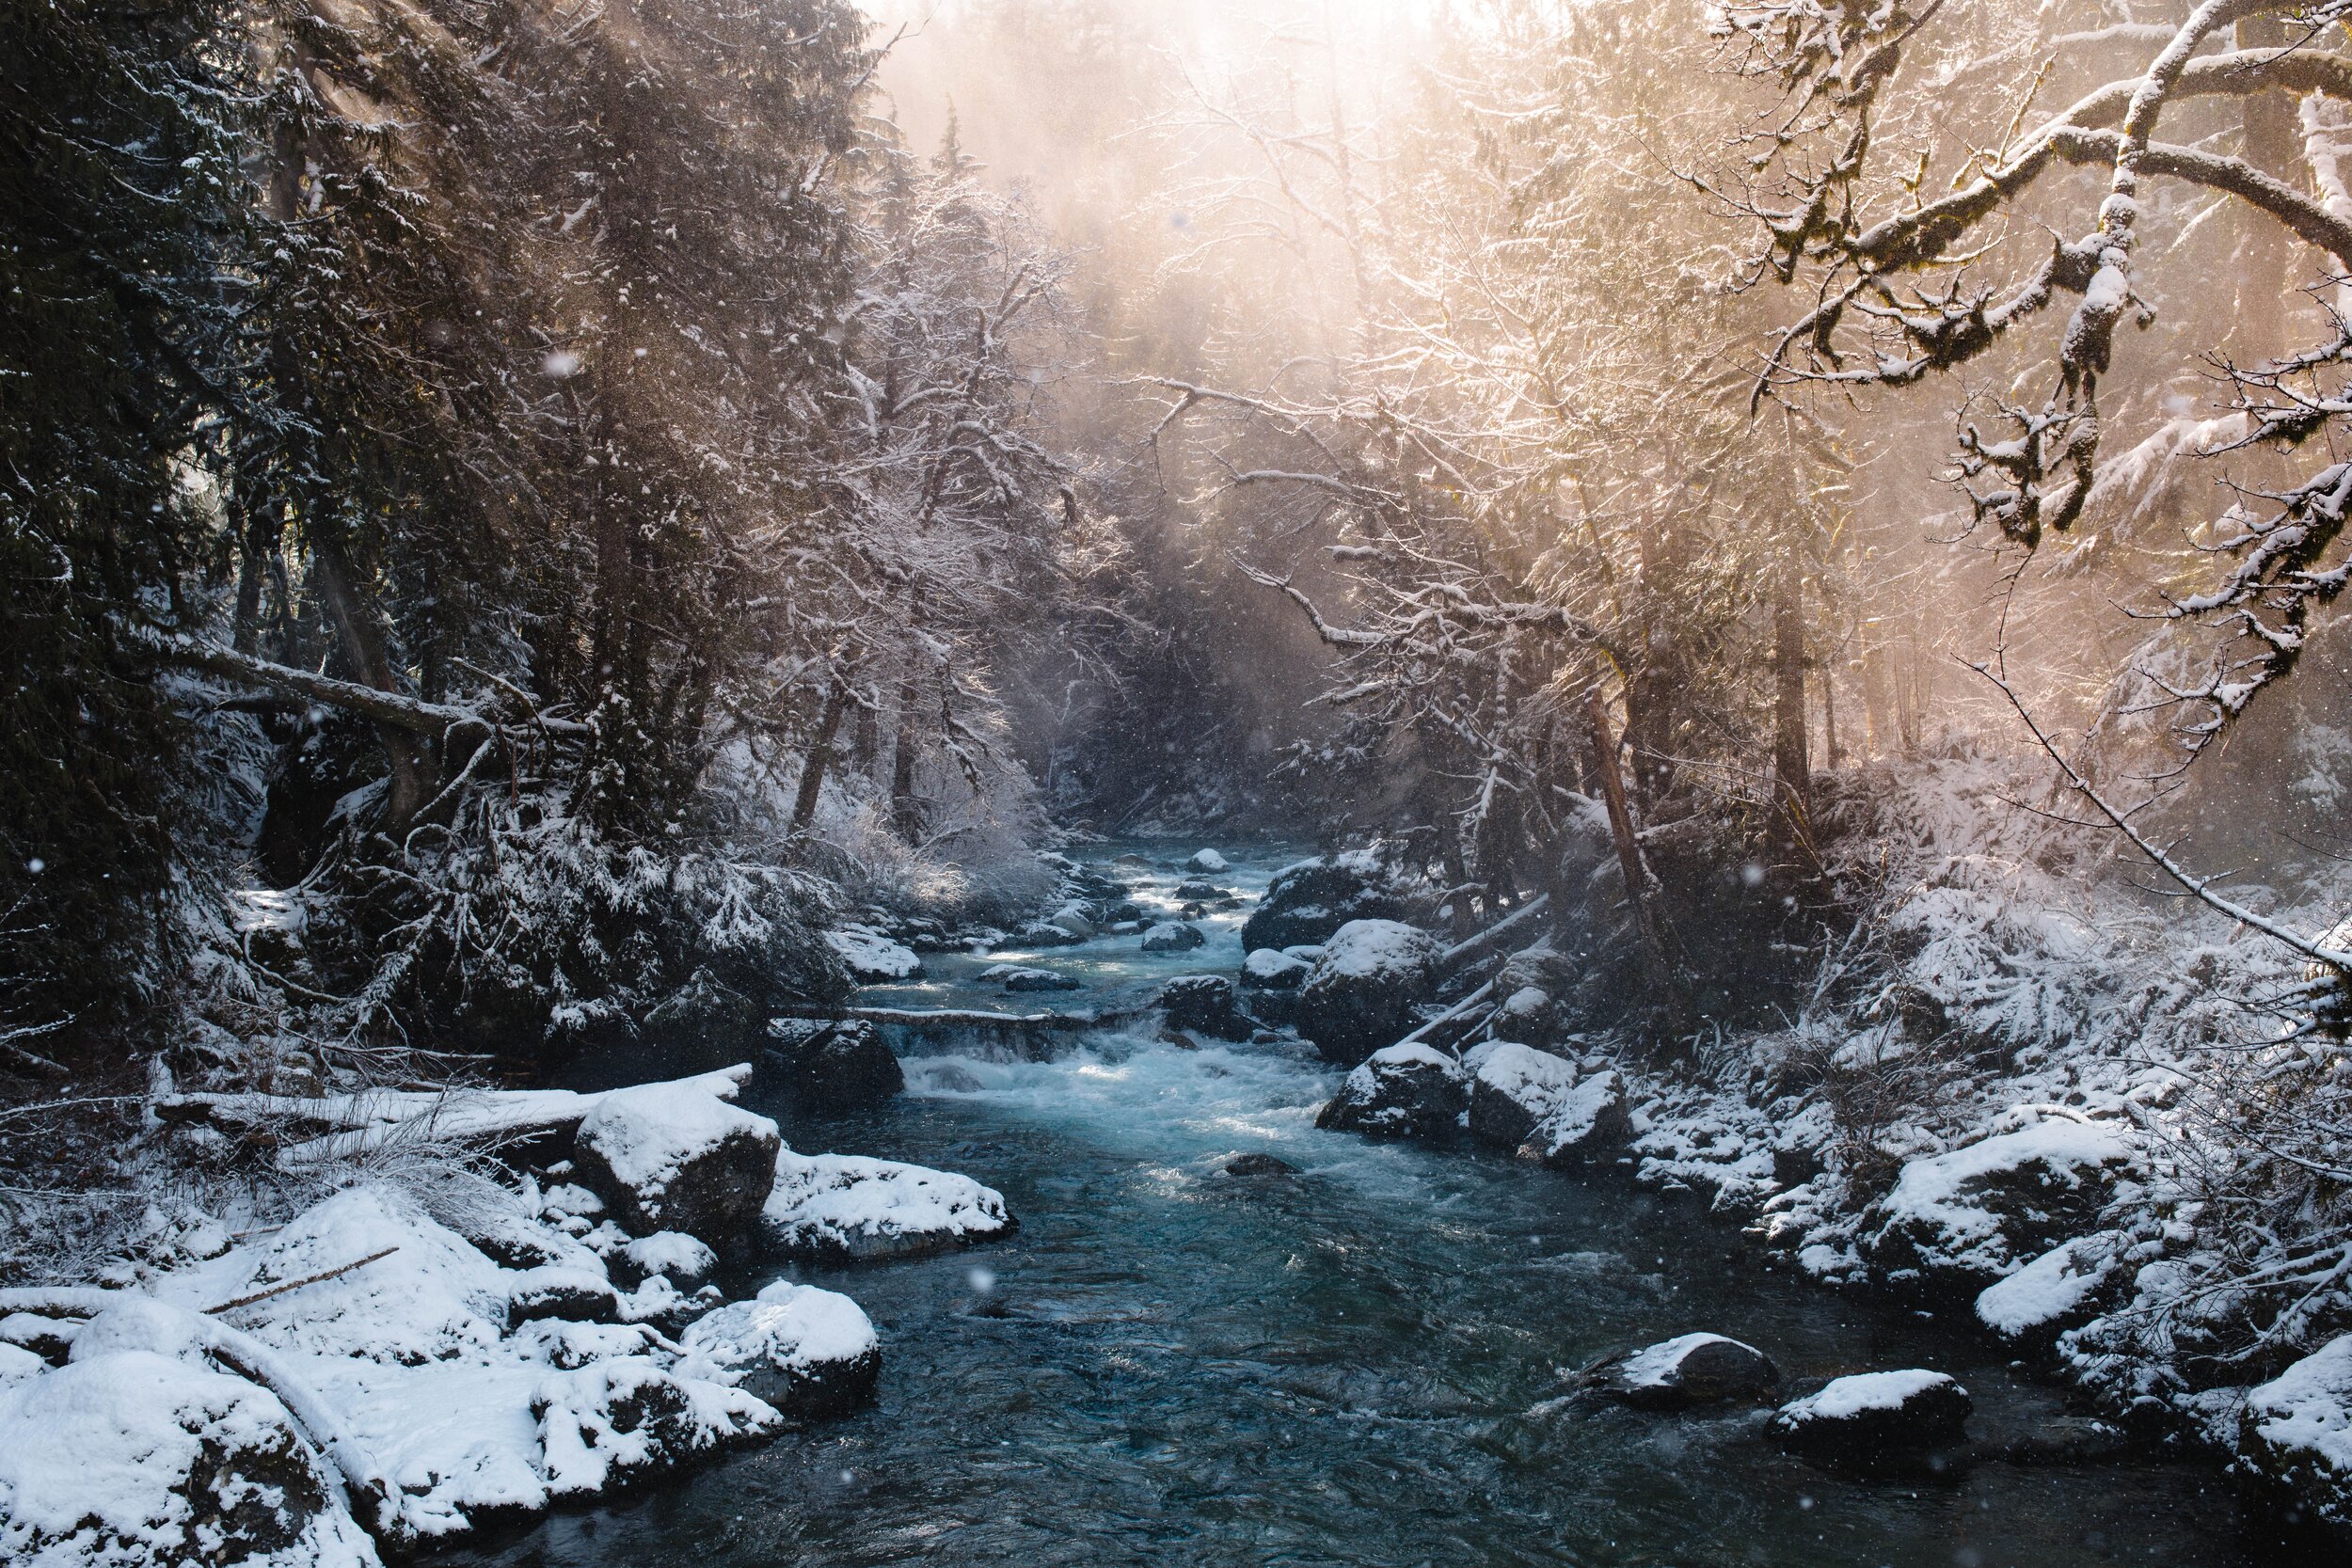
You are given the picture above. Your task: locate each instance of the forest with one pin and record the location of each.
(1379, 659)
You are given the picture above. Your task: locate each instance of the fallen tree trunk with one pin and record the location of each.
(1485, 942)
(335, 1127)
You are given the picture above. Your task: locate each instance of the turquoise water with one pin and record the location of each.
(1363, 1364)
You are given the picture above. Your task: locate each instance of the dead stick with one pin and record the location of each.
(298, 1284)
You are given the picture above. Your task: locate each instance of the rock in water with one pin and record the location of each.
(1173, 936)
(674, 1157)
(1875, 1418)
(1208, 860)
(1404, 1091)
(808, 1352)
(873, 959)
(1259, 1164)
(672, 1255)
(135, 1457)
(1019, 979)
(1694, 1369)
(1514, 1089)
(1271, 969)
(1208, 1002)
(838, 1208)
(836, 1067)
(2295, 1440)
(1360, 995)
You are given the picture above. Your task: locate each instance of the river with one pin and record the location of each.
(1366, 1363)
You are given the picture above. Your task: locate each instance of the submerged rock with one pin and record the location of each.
(1019, 979)
(675, 1157)
(808, 1352)
(838, 1208)
(1875, 1418)
(1694, 1369)
(1173, 936)
(1360, 995)
(1201, 892)
(835, 1067)
(1206, 1003)
(1259, 1164)
(2294, 1442)
(1402, 1091)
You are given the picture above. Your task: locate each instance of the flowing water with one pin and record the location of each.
(1366, 1363)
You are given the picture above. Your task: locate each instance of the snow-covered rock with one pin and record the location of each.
(1875, 1417)
(672, 1255)
(837, 1207)
(807, 1351)
(2055, 1291)
(1173, 936)
(1693, 1369)
(1400, 1091)
(1956, 1222)
(1208, 860)
(873, 959)
(1206, 1003)
(613, 1423)
(1308, 901)
(833, 1066)
(1271, 969)
(429, 1296)
(1360, 995)
(133, 1457)
(553, 1290)
(674, 1157)
(1514, 1089)
(2295, 1440)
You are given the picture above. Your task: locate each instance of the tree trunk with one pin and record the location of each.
(819, 757)
(2273, 144)
(360, 631)
(1792, 766)
(1658, 961)
(903, 814)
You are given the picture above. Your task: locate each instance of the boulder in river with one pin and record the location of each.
(677, 1157)
(873, 959)
(1173, 936)
(672, 1255)
(1208, 860)
(1271, 969)
(834, 1066)
(1311, 900)
(844, 1207)
(805, 1351)
(614, 1423)
(1873, 1420)
(2295, 1443)
(1207, 1004)
(1693, 1369)
(1201, 892)
(1514, 1089)
(1259, 1164)
(1360, 995)
(1402, 1091)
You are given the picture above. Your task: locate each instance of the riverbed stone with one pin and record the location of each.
(1259, 1164)
(1271, 969)
(1691, 1370)
(1360, 995)
(1876, 1419)
(807, 1350)
(1514, 1089)
(846, 1208)
(1402, 1091)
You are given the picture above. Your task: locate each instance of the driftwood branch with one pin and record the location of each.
(298, 1284)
